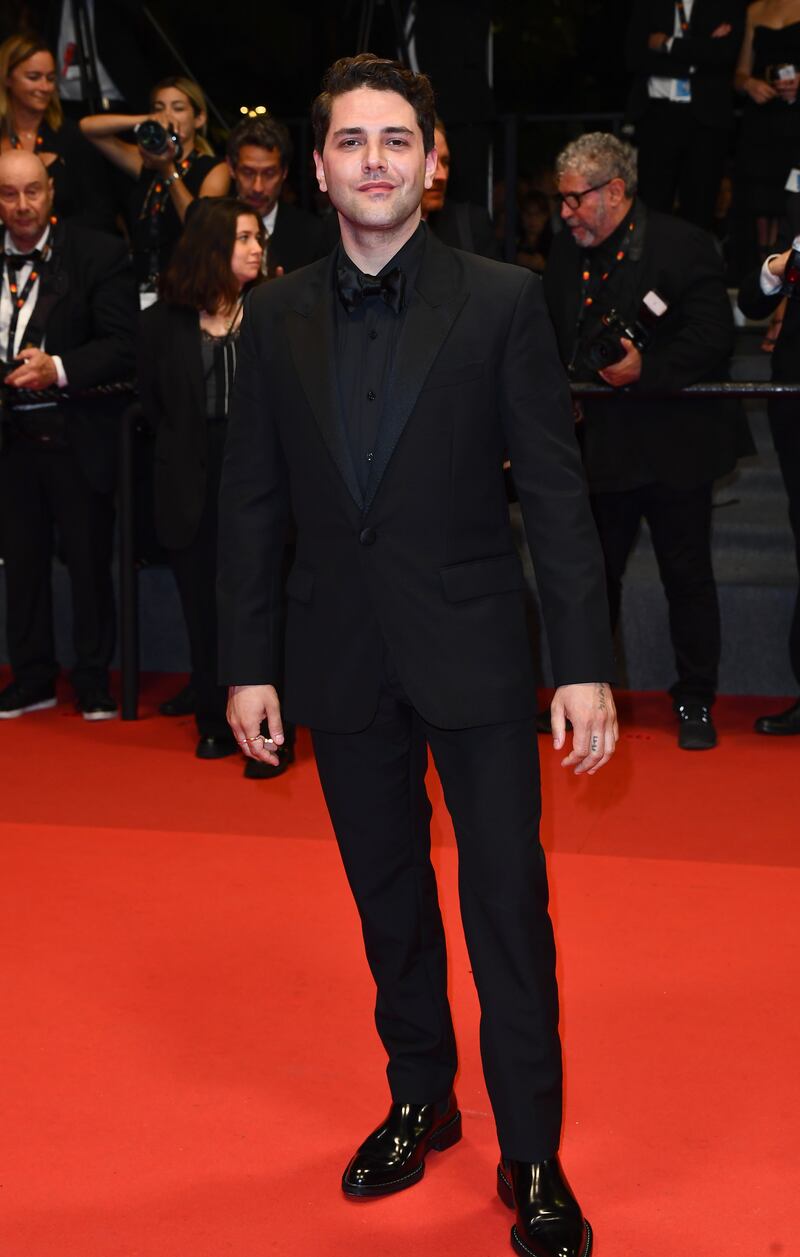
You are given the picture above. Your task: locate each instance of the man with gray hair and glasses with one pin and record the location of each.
(638, 301)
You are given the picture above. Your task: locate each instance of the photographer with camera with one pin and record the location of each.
(658, 284)
(171, 162)
(760, 294)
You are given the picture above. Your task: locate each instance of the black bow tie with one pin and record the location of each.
(17, 260)
(355, 287)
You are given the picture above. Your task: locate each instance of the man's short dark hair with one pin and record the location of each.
(382, 75)
(260, 133)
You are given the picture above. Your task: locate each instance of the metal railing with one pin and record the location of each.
(128, 572)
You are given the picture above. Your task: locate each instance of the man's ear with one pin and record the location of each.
(431, 160)
(320, 169)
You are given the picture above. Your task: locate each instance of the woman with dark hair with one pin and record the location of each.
(187, 358)
(31, 118)
(166, 181)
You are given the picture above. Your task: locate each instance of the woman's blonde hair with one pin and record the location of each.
(13, 51)
(194, 94)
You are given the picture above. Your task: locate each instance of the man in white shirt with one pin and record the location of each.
(682, 53)
(67, 321)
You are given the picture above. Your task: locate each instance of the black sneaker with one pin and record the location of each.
(696, 730)
(15, 700)
(181, 704)
(96, 704)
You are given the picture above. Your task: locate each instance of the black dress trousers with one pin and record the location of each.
(680, 529)
(785, 424)
(374, 786)
(679, 156)
(43, 491)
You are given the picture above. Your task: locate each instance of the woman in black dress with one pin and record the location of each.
(187, 358)
(166, 183)
(768, 76)
(31, 118)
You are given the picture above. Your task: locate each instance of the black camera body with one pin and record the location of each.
(603, 348)
(155, 139)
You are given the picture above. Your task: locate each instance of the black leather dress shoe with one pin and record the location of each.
(215, 748)
(257, 770)
(783, 723)
(181, 704)
(549, 1219)
(393, 1156)
(696, 730)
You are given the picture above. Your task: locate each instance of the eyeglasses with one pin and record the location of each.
(573, 199)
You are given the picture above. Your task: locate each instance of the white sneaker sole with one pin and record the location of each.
(21, 711)
(99, 715)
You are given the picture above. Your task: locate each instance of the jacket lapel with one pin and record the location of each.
(311, 333)
(432, 309)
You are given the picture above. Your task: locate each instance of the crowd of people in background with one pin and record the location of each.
(129, 245)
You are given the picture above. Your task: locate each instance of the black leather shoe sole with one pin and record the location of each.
(215, 748)
(520, 1247)
(771, 725)
(444, 1138)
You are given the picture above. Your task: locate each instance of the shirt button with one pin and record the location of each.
(371, 396)
(373, 334)
(368, 537)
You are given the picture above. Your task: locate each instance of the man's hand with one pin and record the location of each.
(38, 371)
(656, 41)
(777, 265)
(594, 721)
(248, 705)
(627, 370)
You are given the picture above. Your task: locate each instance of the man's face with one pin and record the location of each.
(26, 199)
(373, 164)
(433, 199)
(595, 218)
(259, 175)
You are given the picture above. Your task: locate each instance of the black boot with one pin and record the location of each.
(549, 1219)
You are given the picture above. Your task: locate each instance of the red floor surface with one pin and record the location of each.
(188, 1056)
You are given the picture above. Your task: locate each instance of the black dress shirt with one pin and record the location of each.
(366, 340)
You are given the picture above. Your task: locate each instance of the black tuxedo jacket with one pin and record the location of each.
(172, 392)
(683, 443)
(296, 240)
(709, 63)
(87, 308)
(424, 562)
(465, 226)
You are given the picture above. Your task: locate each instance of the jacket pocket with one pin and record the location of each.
(480, 578)
(300, 584)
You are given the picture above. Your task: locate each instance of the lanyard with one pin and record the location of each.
(155, 202)
(682, 18)
(588, 299)
(18, 299)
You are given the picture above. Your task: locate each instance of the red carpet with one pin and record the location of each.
(188, 1051)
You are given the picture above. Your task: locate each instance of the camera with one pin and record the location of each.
(603, 348)
(155, 139)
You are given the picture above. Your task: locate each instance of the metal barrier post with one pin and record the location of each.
(128, 579)
(510, 138)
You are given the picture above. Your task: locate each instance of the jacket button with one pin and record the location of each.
(368, 537)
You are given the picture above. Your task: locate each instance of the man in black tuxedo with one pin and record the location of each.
(683, 56)
(457, 223)
(259, 152)
(376, 393)
(651, 459)
(67, 321)
(760, 294)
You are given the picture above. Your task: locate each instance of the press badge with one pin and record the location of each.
(793, 182)
(682, 90)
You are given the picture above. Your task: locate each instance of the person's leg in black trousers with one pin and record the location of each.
(786, 437)
(701, 173)
(680, 527)
(373, 783)
(85, 523)
(661, 139)
(618, 516)
(27, 527)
